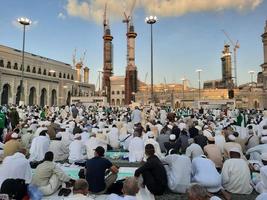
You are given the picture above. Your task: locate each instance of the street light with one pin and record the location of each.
(151, 20)
(199, 85)
(183, 79)
(251, 75)
(25, 22)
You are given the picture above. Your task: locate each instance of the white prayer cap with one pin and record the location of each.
(29, 129)
(14, 135)
(76, 136)
(172, 137)
(265, 113)
(205, 127)
(63, 126)
(264, 156)
(231, 137)
(235, 149)
(169, 126)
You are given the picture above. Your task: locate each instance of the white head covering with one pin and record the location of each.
(231, 137)
(235, 149)
(76, 136)
(14, 135)
(262, 196)
(264, 156)
(172, 137)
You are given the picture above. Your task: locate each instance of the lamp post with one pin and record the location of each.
(251, 75)
(24, 22)
(183, 80)
(199, 85)
(151, 20)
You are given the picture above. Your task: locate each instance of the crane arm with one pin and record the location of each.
(226, 34)
(132, 8)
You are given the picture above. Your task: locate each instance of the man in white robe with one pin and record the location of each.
(39, 146)
(151, 140)
(193, 150)
(136, 147)
(261, 184)
(255, 152)
(236, 174)
(91, 145)
(178, 170)
(16, 166)
(136, 116)
(113, 137)
(77, 150)
(204, 173)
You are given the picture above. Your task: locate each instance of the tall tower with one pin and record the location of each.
(131, 70)
(108, 58)
(264, 65)
(227, 67)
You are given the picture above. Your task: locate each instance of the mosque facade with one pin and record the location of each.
(45, 81)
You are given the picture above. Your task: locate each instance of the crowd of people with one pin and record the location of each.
(201, 152)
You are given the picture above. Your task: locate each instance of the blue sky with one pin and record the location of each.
(184, 40)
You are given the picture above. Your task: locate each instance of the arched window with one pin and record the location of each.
(16, 66)
(33, 70)
(122, 92)
(64, 75)
(55, 74)
(49, 73)
(28, 68)
(60, 75)
(68, 77)
(39, 71)
(44, 72)
(113, 93)
(1, 63)
(71, 77)
(118, 92)
(8, 65)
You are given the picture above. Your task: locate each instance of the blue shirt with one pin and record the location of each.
(95, 173)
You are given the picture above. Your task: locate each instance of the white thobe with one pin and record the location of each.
(204, 172)
(193, 151)
(236, 176)
(136, 149)
(15, 166)
(91, 145)
(255, 152)
(77, 149)
(136, 116)
(85, 137)
(156, 147)
(163, 116)
(261, 186)
(178, 172)
(113, 137)
(39, 147)
(39, 130)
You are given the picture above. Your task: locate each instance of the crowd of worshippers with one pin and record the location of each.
(218, 151)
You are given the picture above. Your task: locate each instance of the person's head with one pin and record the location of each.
(22, 150)
(130, 186)
(235, 153)
(43, 133)
(81, 187)
(49, 156)
(197, 192)
(264, 158)
(99, 151)
(172, 138)
(149, 150)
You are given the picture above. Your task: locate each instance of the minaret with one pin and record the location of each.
(264, 65)
(227, 67)
(108, 58)
(131, 70)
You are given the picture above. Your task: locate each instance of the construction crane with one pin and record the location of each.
(128, 21)
(82, 59)
(235, 47)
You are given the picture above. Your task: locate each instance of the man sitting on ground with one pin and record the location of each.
(153, 172)
(80, 190)
(95, 172)
(130, 189)
(48, 177)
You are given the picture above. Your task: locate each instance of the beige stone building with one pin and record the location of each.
(45, 81)
(117, 94)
